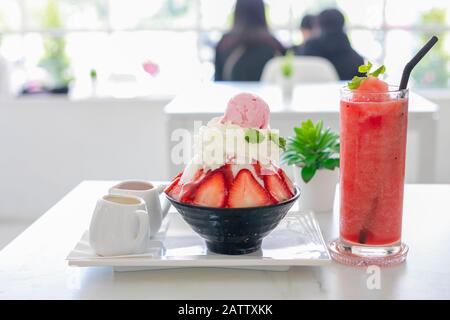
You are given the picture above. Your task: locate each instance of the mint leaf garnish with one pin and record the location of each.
(282, 143)
(379, 71)
(354, 84)
(279, 141)
(254, 136)
(365, 68)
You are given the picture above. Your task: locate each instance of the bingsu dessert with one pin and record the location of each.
(235, 161)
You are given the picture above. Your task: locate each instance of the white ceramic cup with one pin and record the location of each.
(119, 226)
(150, 194)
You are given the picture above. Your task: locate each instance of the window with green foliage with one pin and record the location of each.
(60, 40)
(433, 72)
(54, 59)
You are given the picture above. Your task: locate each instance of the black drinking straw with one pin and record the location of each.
(403, 84)
(411, 64)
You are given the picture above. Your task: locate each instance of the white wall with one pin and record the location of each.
(442, 99)
(48, 146)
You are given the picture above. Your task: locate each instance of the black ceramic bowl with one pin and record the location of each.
(234, 230)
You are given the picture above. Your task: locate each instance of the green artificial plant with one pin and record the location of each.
(312, 148)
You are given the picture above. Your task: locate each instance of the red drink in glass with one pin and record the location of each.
(373, 150)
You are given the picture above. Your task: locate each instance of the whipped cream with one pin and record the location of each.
(220, 143)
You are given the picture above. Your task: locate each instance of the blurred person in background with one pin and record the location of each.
(242, 53)
(308, 29)
(334, 45)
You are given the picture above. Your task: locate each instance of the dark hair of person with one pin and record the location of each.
(250, 26)
(331, 20)
(249, 15)
(308, 22)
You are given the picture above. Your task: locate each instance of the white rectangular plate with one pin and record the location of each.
(297, 241)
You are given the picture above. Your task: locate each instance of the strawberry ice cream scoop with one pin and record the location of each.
(248, 111)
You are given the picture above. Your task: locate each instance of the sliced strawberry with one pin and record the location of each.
(198, 175)
(178, 175)
(277, 188)
(211, 192)
(287, 181)
(257, 167)
(190, 188)
(174, 183)
(247, 192)
(228, 174)
(170, 187)
(174, 188)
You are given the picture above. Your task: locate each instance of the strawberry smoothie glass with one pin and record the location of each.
(373, 146)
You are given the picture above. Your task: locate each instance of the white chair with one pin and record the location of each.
(306, 69)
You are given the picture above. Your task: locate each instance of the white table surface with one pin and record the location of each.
(211, 99)
(33, 266)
